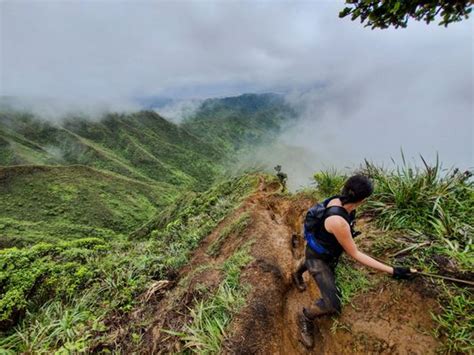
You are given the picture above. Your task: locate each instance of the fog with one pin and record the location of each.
(360, 93)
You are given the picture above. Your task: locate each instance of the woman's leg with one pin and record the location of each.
(298, 275)
(329, 302)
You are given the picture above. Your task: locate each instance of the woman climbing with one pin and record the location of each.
(328, 232)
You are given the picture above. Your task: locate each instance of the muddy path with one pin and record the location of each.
(392, 318)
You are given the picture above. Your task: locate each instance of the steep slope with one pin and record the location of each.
(46, 203)
(203, 311)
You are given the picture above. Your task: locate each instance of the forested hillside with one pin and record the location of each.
(112, 174)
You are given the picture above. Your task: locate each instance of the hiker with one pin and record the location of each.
(282, 177)
(328, 232)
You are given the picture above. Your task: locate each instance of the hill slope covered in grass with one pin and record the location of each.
(143, 146)
(235, 123)
(54, 203)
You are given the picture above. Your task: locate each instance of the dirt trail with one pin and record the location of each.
(393, 318)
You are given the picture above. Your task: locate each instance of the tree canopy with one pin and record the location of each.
(385, 13)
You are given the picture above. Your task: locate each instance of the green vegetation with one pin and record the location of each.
(211, 316)
(456, 322)
(433, 209)
(235, 228)
(350, 280)
(44, 203)
(237, 123)
(329, 182)
(386, 13)
(185, 223)
(433, 206)
(91, 279)
(142, 146)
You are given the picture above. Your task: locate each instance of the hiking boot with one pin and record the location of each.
(298, 281)
(306, 327)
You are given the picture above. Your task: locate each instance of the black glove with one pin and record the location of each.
(400, 272)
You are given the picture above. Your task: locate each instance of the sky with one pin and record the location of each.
(364, 92)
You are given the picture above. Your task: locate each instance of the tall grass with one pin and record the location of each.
(426, 199)
(329, 182)
(433, 204)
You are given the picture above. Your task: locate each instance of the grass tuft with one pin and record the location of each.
(235, 228)
(211, 317)
(350, 281)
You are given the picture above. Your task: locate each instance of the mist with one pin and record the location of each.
(56, 109)
(180, 110)
(360, 93)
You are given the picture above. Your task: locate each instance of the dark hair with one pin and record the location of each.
(356, 188)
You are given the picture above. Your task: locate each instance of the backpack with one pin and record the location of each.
(314, 221)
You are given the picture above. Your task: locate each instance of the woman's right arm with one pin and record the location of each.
(342, 231)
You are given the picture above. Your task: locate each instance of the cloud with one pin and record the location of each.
(55, 109)
(178, 110)
(362, 93)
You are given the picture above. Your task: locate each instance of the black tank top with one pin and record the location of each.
(326, 239)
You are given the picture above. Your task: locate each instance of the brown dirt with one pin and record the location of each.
(393, 318)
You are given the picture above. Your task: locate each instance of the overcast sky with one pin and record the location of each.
(413, 86)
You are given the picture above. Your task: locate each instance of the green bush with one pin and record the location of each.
(439, 204)
(30, 276)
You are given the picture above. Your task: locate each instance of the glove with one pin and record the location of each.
(400, 272)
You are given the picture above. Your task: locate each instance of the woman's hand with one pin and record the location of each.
(400, 272)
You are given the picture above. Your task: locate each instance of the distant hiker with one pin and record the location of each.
(328, 231)
(282, 177)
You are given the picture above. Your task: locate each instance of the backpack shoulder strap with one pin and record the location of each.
(337, 211)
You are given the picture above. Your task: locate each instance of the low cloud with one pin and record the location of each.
(56, 109)
(180, 110)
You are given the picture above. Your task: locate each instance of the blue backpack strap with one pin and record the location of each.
(312, 242)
